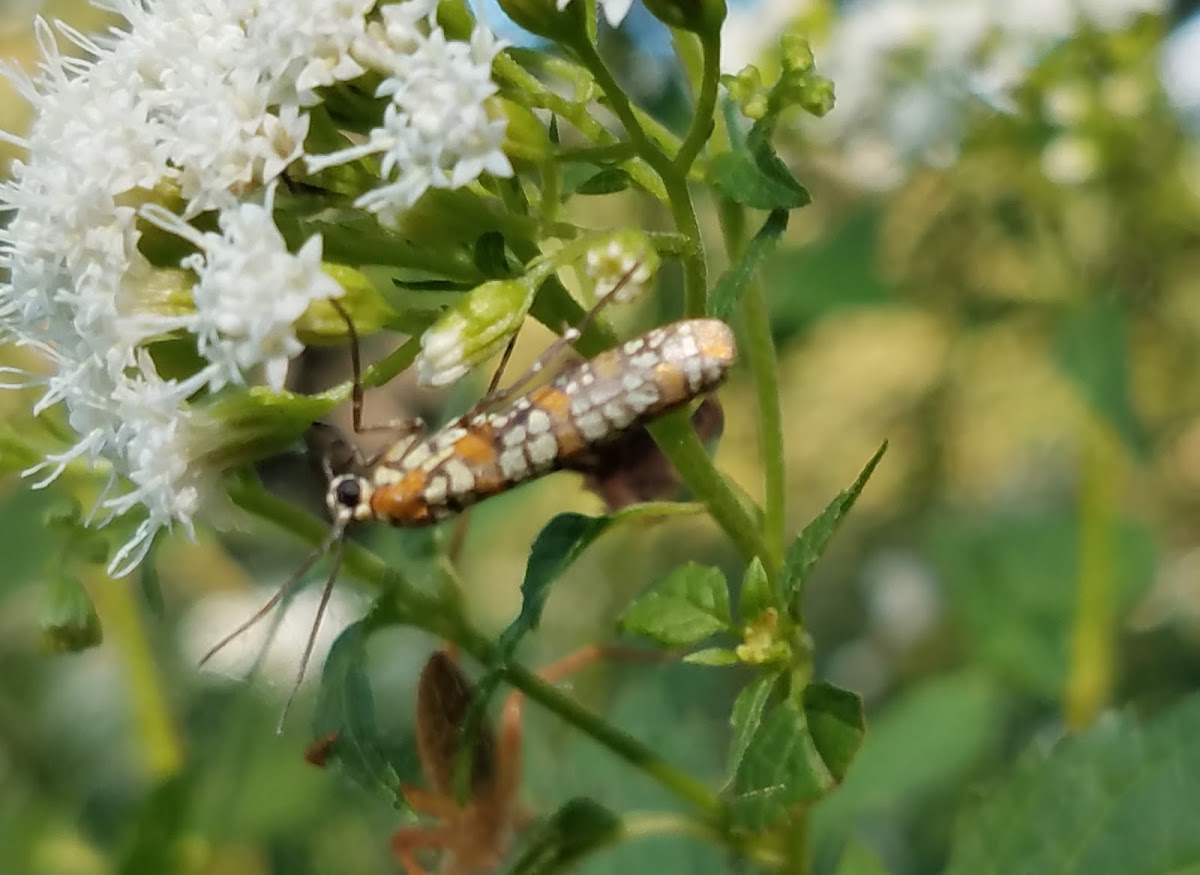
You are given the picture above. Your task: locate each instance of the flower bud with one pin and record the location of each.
(242, 425)
(67, 617)
(699, 16)
(760, 641)
(366, 307)
(746, 89)
(625, 259)
(473, 330)
(547, 18)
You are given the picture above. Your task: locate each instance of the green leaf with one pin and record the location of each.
(608, 180)
(491, 256)
(747, 714)
(68, 619)
(1120, 799)
(688, 605)
(799, 753)
(555, 548)
(713, 656)
(738, 178)
(808, 547)
(754, 175)
(756, 595)
(729, 287)
(346, 706)
(1093, 349)
(781, 771)
(837, 724)
(858, 859)
(575, 830)
(924, 743)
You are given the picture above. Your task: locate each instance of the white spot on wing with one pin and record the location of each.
(435, 490)
(542, 450)
(515, 436)
(618, 414)
(538, 421)
(459, 475)
(591, 425)
(513, 464)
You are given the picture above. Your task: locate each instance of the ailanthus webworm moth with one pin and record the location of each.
(424, 478)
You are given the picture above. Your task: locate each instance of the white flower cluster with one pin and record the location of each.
(201, 104)
(907, 72)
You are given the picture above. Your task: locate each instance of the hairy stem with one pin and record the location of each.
(759, 350)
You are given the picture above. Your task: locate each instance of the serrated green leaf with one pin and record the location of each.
(575, 830)
(729, 287)
(756, 595)
(1093, 349)
(746, 717)
(753, 175)
(1120, 799)
(837, 724)
(799, 753)
(781, 771)
(811, 543)
(688, 605)
(346, 706)
(738, 178)
(712, 656)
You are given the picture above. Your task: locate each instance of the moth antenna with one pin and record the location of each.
(339, 545)
(357, 393)
(334, 534)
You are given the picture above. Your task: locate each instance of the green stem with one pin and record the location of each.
(638, 825)
(638, 755)
(759, 350)
(704, 117)
(678, 440)
(1089, 679)
(507, 68)
(683, 211)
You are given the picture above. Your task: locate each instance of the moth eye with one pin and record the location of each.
(349, 493)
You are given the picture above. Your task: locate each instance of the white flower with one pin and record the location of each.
(437, 131)
(250, 291)
(204, 97)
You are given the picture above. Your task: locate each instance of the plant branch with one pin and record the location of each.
(759, 350)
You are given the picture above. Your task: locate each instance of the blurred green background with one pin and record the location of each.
(1020, 322)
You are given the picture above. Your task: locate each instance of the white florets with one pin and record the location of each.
(206, 102)
(437, 129)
